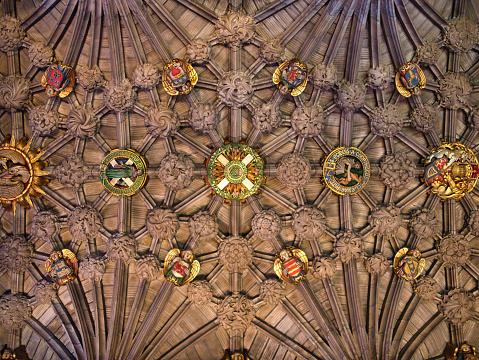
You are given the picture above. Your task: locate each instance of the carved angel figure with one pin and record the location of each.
(291, 265)
(410, 80)
(291, 77)
(181, 266)
(62, 266)
(464, 352)
(58, 80)
(14, 175)
(179, 77)
(408, 263)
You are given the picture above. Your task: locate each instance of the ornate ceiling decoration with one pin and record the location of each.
(386, 272)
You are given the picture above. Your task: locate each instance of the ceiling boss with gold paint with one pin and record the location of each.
(235, 171)
(21, 173)
(346, 170)
(451, 170)
(58, 80)
(291, 77)
(410, 80)
(179, 77)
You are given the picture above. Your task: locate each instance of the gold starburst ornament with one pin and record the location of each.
(21, 173)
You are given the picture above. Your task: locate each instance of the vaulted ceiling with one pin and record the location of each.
(351, 305)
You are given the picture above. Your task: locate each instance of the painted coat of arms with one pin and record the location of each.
(451, 170)
(291, 77)
(58, 80)
(291, 265)
(179, 77)
(346, 170)
(123, 172)
(62, 266)
(410, 80)
(181, 266)
(408, 263)
(464, 352)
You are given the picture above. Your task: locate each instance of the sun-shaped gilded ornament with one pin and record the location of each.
(451, 170)
(235, 171)
(346, 170)
(123, 172)
(21, 173)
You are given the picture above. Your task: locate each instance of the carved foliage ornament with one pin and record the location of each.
(90, 79)
(454, 250)
(323, 267)
(386, 121)
(203, 225)
(45, 226)
(200, 292)
(121, 247)
(146, 76)
(348, 246)
(15, 253)
(203, 117)
(235, 312)
(148, 267)
(235, 89)
(424, 223)
(396, 170)
(324, 76)
(272, 291)
(385, 220)
(92, 268)
(267, 117)
(266, 224)
(293, 170)
(162, 223)
(14, 92)
(377, 264)
(84, 223)
(14, 308)
(350, 97)
(43, 121)
(461, 35)
(235, 253)
(426, 287)
(428, 54)
(454, 91)
(234, 28)
(176, 171)
(44, 291)
(12, 33)
(379, 78)
(21, 172)
(308, 120)
(82, 123)
(272, 51)
(40, 54)
(162, 122)
(424, 118)
(119, 97)
(198, 52)
(457, 306)
(309, 223)
(71, 172)
(473, 222)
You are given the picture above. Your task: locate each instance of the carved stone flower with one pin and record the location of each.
(377, 264)
(82, 123)
(84, 223)
(461, 35)
(176, 171)
(41, 121)
(122, 247)
(146, 76)
(396, 170)
(198, 52)
(44, 291)
(235, 253)
(293, 170)
(324, 76)
(266, 224)
(235, 89)
(234, 28)
(308, 223)
(14, 92)
(426, 287)
(272, 51)
(71, 172)
(45, 226)
(90, 79)
(380, 77)
(473, 222)
(454, 91)
(162, 122)
(424, 223)
(267, 117)
(350, 97)
(40, 54)
(16, 253)
(93, 268)
(204, 117)
(148, 267)
(235, 312)
(454, 250)
(14, 309)
(423, 119)
(121, 97)
(385, 220)
(323, 267)
(428, 54)
(200, 292)
(203, 225)
(386, 121)
(272, 291)
(457, 306)
(12, 33)
(348, 246)
(162, 223)
(308, 120)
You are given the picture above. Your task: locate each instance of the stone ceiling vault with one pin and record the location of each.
(351, 305)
